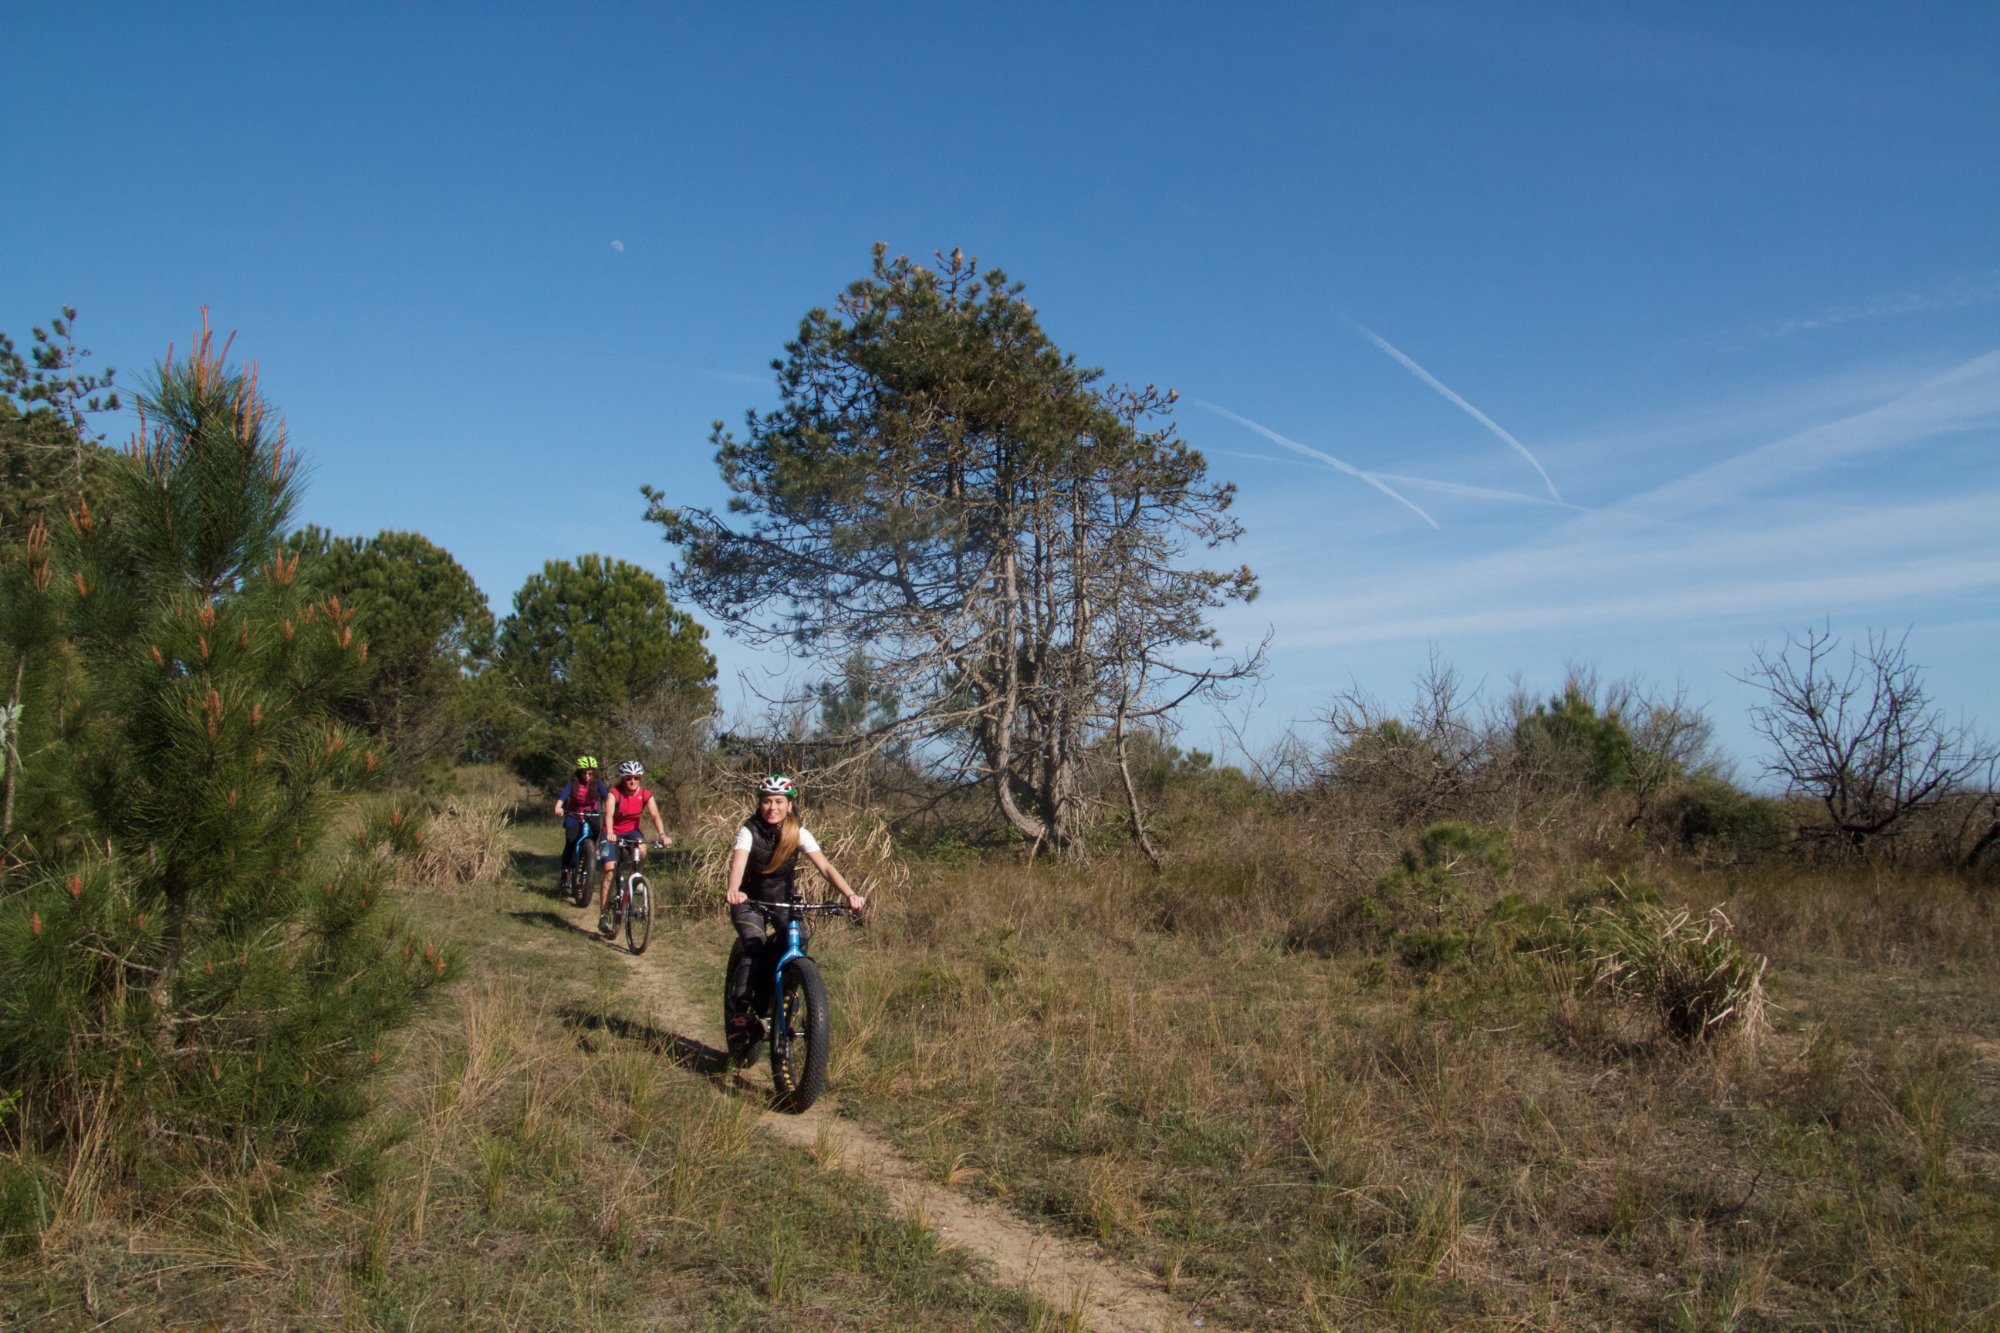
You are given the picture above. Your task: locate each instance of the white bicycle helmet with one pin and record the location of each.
(631, 768)
(777, 784)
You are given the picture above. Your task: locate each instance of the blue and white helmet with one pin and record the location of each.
(631, 768)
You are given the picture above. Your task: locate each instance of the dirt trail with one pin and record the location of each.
(1109, 1297)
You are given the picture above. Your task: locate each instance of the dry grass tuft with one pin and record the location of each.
(858, 842)
(1689, 969)
(465, 842)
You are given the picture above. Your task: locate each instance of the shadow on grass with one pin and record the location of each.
(542, 916)
(539, 867)
(681, 1049)
(556, 921)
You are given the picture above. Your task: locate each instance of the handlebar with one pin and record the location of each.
(770, 909)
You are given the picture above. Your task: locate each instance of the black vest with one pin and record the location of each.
(775, 887)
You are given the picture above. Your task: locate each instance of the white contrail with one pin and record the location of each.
(1479, 492)
(1311, 452)
(1459, 402)
(1954, 295)
(1964, 398)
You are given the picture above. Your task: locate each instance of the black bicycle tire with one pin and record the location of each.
(736, 952)
(638, 913)
(586, 862)
(798, 1078)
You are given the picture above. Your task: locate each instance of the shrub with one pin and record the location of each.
(1428, 948)
(1689, 969)
(1434, 879)
(1567, 743)
(1429, 904)
(1711, 817)
(1408, 769)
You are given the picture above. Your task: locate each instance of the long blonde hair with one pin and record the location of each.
(788, 841)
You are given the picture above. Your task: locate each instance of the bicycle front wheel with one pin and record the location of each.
(585, 872)
(799, 1038)
(638, 914)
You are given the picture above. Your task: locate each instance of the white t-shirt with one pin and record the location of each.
(807, 842)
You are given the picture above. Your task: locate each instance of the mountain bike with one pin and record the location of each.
(579, 881)
(631, 901)
(789, 994)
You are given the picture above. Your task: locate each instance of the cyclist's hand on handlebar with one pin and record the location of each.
(735, 897)
(855, 902)
(661, 844)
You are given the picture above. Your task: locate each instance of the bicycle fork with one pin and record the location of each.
(792, 950)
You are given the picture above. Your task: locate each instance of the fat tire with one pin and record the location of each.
(638, 913)
(799, 1038)
(738, 1056)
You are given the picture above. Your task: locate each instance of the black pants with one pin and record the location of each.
(574, 831)
(759, 945)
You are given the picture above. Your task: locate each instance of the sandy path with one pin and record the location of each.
(1110, 1297)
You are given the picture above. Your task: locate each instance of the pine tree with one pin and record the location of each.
(427, 628)
(50, 456)
(49, 451)
(1001, 537)
(190, 959)
(588, 643)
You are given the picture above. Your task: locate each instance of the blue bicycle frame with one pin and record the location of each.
(796, 1010)
(794, 948)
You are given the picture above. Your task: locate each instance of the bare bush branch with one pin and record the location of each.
(1419, 766)
(1863, 742)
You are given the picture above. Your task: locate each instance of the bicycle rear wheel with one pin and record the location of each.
(741, 1052)
(583, 872)
(638, 913)
(799, 1038)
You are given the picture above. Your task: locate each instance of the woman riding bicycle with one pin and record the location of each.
(762, 866)
(628, 802)
(581, 808)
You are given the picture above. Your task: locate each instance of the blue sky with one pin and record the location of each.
(1538, 334)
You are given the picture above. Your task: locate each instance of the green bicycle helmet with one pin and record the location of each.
(586, 761)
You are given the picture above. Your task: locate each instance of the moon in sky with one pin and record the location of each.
(619, 246)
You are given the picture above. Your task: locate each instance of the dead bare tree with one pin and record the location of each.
(1417, 766)
(1863, 741)
(1672, 740)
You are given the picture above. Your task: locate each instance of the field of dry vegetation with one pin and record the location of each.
(1301, 1138)
(1325, 1070)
